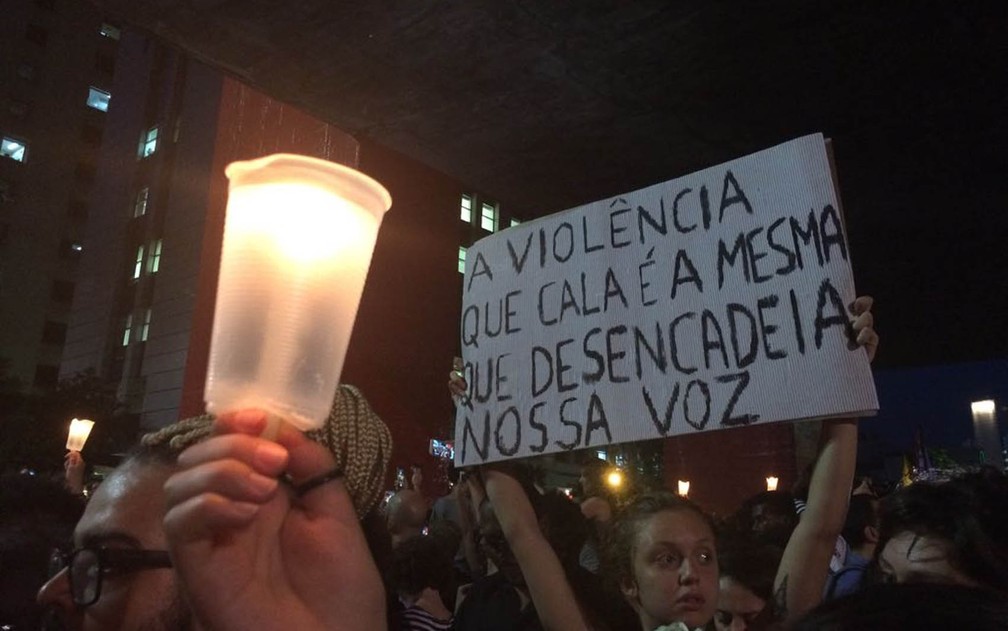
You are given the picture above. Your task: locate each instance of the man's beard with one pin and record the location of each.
(175, 617)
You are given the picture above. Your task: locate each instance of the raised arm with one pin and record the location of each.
(544, 575)
(801, 576)
(467, 514)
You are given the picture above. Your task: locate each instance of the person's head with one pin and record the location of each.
(406, 515)
(563, 525)
(495, 547)
(446, 535)
(119, 575)
(416, 477)
(417, 564)
(861, 530)
(770, 517)
(910, 607)
(952, 532)
(747, 571)
(661, 552)
(592, 480)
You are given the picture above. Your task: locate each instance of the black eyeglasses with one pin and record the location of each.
(87, 566)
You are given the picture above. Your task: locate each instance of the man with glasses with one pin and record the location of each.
(263, 534)
(119, 575)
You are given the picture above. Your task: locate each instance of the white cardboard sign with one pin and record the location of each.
(710, 301)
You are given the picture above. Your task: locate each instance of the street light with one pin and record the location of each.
(985, 432)
(615, 479)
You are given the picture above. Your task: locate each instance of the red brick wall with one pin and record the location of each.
(725, 467)
(407, 328)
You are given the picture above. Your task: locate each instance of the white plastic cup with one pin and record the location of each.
(80, 429)
(298, 237)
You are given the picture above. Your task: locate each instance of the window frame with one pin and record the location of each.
(493, 216)
(149, 140)
(144, 331)
(23, 144)
(127, 329)
(154, 256)
(138, 264)
(140, 205)
(92, 90)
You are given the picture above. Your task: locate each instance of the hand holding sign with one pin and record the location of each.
(715, 300)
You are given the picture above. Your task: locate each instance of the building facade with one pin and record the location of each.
(55, 83)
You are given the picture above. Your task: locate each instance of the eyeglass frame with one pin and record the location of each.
(107, 560)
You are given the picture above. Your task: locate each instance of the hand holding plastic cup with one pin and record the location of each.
(298, 237)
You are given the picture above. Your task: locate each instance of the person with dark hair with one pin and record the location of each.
(911, 607)
(747, 571)
(419, 572)
(953, 532)
(861, 532)
(661, 552)
(769, 517)
(456, 508)
(406, 515)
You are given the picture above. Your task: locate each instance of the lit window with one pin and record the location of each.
(13, 149)
(462, 253)
(140, 207)
(145, 327)
(154, 262)
(127, 329)
(488, 217)
(138, 266)
(601, 454)
(466, 206)
(98, 99)
(514, 222)
(148, 142)
(109, 31)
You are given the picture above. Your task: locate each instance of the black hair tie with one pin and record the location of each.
(312, 483)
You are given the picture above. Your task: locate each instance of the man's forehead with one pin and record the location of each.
(130, 502)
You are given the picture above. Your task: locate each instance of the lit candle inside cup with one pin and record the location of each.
(80, 429)
(771, 483)
(298, 237)
(684, 488)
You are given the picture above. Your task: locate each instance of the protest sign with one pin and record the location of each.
(710, 301)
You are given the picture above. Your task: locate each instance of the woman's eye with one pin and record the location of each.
(705, 557)
(668, 559)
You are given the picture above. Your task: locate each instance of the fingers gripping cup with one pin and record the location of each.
(298, 237)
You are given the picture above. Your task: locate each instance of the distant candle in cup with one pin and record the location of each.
(298, 237)
(684, 488)
(80, 429)
(771, 483)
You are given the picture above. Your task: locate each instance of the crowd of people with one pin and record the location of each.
(209, 524)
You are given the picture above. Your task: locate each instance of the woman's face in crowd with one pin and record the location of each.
(913, 558)
(737, 606)
(675, 570)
